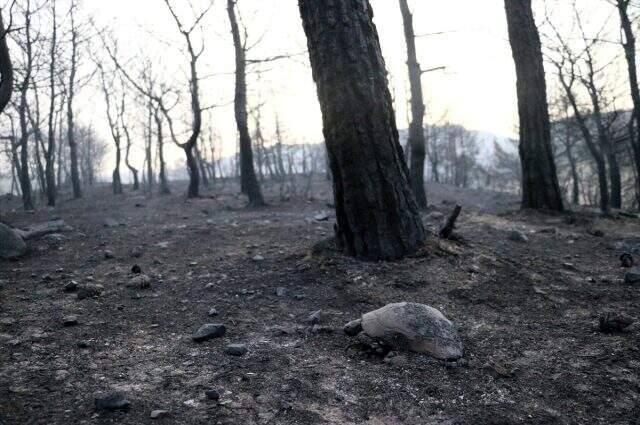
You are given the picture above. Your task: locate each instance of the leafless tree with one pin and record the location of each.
(416, 132)
(377, 214)
(540, 188)
(6, 66)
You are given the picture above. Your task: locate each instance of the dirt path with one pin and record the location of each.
(527, 313)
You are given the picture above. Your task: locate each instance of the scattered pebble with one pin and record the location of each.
(281, 291)
(518, 236)
(136, 269)
(68, 321)
(157, 414)
(213, 312)
(237, 350)
(209, 331)
(212, 395)
(626, 260)
(108, 254)
(258, 258)
(112, 401)
(71, 286)
(633, 275)
(314, 318)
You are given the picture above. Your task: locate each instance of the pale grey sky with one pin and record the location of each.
(477, 88)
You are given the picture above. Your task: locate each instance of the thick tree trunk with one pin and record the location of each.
(540, 188)
(416, 131)
(248, 180)
(6, 68)
(629, 45)
(378, 218)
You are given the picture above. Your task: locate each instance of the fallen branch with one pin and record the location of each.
(447, 229)
(39, 230)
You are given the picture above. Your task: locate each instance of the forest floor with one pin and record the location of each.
(527, 313)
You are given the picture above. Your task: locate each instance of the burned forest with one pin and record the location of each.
(319, 212)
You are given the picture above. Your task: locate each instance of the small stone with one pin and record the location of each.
(82, 344)
(314, 318)
(137, 252)
(68, 321)
(213, 312)
(281, 291)
(212, 395)
(611, 322)
(136, 269)
(258, 258)
(113, 401)
(237, 350)
(322, 216)
(518, 236)
(626, 260)
(108, 254)
(89, 291)
(395, 360)
(141, 281)
(12, 245)
(71, 286)
(633, 275)
(353, 328)
(209, 331)
(157, 414)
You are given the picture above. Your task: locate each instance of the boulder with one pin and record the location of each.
(411, 326)
(12, 245)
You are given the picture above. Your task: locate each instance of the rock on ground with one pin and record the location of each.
(415, 327)
(633, 275)
(12, 245)
(209, 331)
(113, 401)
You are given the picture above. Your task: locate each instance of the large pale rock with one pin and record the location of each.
(415, 327)
(12, 245)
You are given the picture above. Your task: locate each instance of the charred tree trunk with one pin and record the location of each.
(162, 173)
(416, 133)
(127, 135)
(73, 147)
(629, 45)
(50, 156)
(6, 68)
(201, 165)
(248, 180)
(378, 218)
(540, 188)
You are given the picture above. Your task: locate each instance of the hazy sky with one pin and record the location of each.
(477, 88)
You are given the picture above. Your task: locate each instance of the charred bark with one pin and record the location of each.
(377, 215)
(416, 132)
(540, 188)
(248, 179)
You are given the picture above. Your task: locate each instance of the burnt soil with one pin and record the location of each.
(527, 314)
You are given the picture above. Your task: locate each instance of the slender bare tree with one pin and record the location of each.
(416, 131)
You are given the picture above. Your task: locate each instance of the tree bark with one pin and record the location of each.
(6, 68)
(378, 218)
(248, 180)
(540, 188)
(162, 173)
(73, 147)
(416, 131)
(50, 156)
(629, 45)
